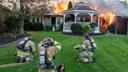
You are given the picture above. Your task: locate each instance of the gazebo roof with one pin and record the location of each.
(81, 6)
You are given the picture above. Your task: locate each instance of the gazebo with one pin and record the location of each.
(81, 13)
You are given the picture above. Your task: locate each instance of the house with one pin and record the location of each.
(50, 19)
(80, 13)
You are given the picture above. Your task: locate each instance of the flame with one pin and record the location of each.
(107, 18)
(60, 7)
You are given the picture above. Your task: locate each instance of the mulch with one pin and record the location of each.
(96, 34)
(6, 38)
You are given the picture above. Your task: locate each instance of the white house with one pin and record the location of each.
(80, 13)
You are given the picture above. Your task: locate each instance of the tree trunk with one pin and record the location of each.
(21, 26)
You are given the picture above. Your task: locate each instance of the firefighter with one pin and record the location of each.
(86, 50)
(48, 48)
(25, 50)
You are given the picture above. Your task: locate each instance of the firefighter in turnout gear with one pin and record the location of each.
(86, 50)
(48, 48)
(25, 50)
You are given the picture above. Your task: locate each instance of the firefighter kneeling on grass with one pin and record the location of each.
(48, 48)
(25, 50)
(86, 50)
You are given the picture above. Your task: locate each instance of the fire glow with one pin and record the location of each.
(60, 7)
(107, 18)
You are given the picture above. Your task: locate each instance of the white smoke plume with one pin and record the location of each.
(114, 6)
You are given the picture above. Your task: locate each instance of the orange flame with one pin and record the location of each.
(107, 18)
(60, 7)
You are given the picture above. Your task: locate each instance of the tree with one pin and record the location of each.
(70, 5)
(4, 12)
(27, 8)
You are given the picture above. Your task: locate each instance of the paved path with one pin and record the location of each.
(11, 65)
(47, 70)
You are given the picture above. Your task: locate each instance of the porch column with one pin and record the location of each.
(39, 19)
(42, 20)
(35, 19)
(76, 13)
(91, 14)
(56, 25)
(31, 19)
(75, 17)
(64, 15)
(99, 26)
(116, 26)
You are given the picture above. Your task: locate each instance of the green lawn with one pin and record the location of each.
(111, 54)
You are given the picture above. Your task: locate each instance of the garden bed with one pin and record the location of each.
(92, 34)
(6, 38)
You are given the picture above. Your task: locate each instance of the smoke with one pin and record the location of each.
(114, 6)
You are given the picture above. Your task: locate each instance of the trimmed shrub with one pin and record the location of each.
(93, 25)
(86, 28)
(76, 28)
(60, 27)
(37, 27)
(33, 26)
(2, 28)
(28, 26)
(48, 28)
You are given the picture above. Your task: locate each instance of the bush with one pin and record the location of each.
(2, 28)
(28, 26)
(37, 27)
(93, 25)
(33, 26)
(61, 27)
(11, 23)
(86, 28)
(76, 28)
(48, 28)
